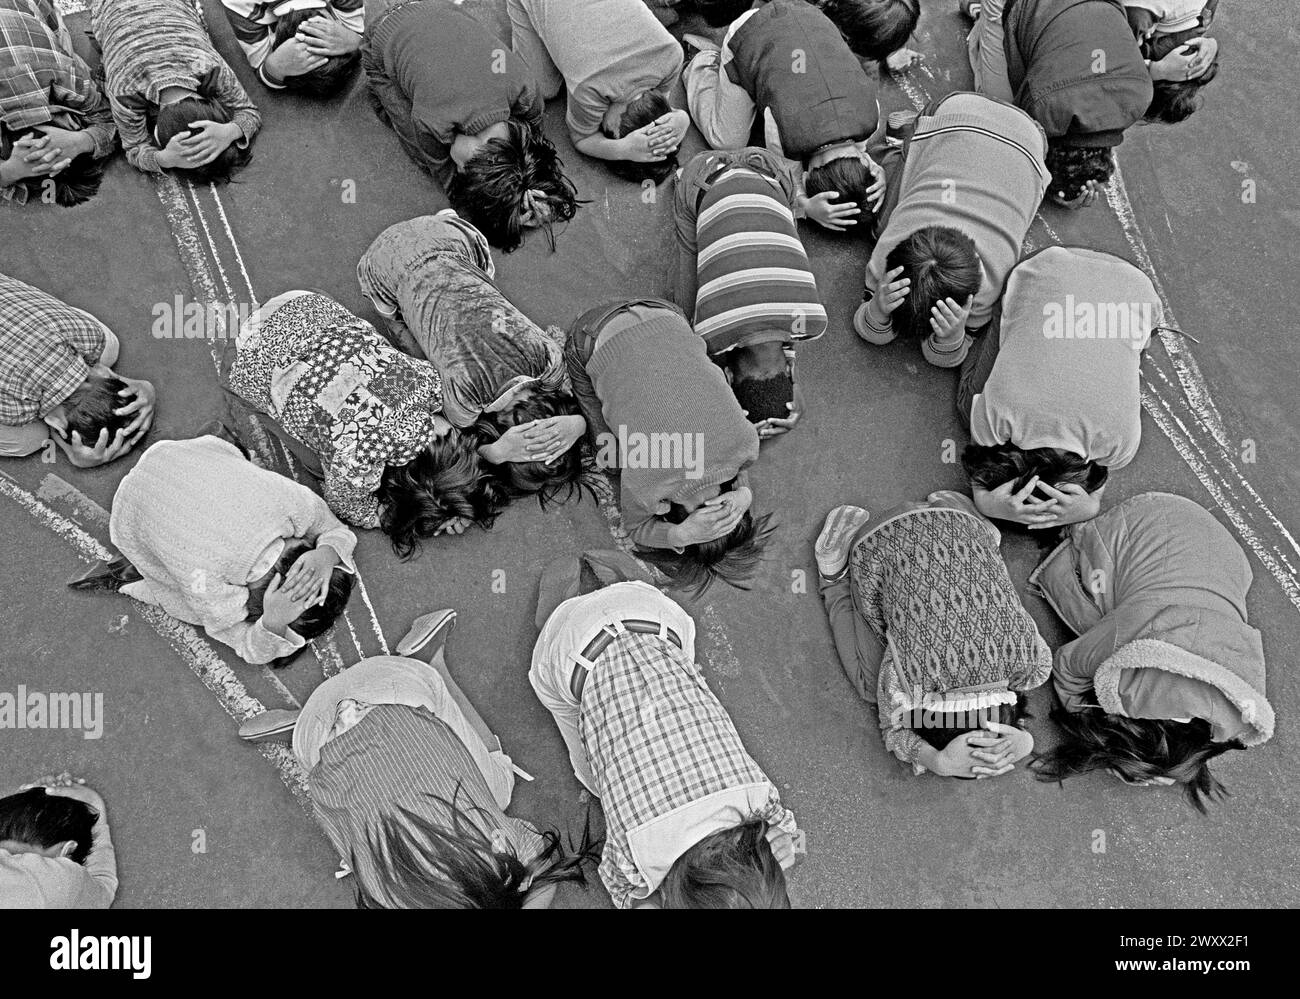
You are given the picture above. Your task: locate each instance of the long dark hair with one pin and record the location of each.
(315, 620)
(491, 189)
(424, 865)
(941, 728)
(324, 81)
(641, 110)
(1173, 101)
(732, 558)
(445, 481)
(731, 869)
(174, 119)
(549, 483)
(75, 184)
(874, 29)
(38, 818)
(1138, 748)
(1072, 167)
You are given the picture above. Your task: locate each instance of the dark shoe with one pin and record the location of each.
(111, 576)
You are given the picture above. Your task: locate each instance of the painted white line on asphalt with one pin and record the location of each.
(188, 644)
(230, 237)
(230, 298)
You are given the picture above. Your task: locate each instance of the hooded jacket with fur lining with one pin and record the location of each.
(1155, 589)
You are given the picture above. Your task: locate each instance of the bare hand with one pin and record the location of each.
(892, 292)
(142, 396)
(294, 58)
(324, 37)
(279, 609)
(829, 213)
(100, 453)
(454, 525)
(309, 576)
(1086, 197)
(1003, 503)
(34, 156)
(875, 194)
(666, 132)
(902, 59)
(775, 426)
(948, 319)
(1074, 504)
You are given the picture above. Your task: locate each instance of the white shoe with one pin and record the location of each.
(832, 547)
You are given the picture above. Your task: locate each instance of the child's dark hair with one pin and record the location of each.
(74, 185)
(324, 81)
(91, 408)
(424, 865)
(846, 176)
(941, 262)
(40, 819)
(315, 620)
(730, 869)
(720, 13)
(765, 398)
(492, 188)
(874, 29)
(1138, 748)
(732, 558)
(990, 467)
(940, 728)
(557, 482)
(444, 481)
(1072, 167)
(173, 119)
(1173, 101)
(641, 110)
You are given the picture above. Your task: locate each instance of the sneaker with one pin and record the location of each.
(832, 547)
(432, 627)
(269, 726)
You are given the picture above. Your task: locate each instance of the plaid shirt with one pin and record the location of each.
(43, 80)
(657, 739)
(149, 45)
(46, 350)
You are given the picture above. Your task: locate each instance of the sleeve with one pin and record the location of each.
(253, 643)
(645, 528)
(350, 492)
(1037, 673)
(1077, 663)
(494, 764)
(584, 391)
(618, 877)
(133, 128)
(776, 814)
(224, 87)
(257, 40)
(352, 14)
(311, 517)
(586, 112)
(101, 865)
(528, 104)
(945, 353)
(902, 742)
(80, 94)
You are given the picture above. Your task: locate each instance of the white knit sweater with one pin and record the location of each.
(194, 517)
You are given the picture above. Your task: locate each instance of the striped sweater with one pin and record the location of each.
(755, 282)
(149, 45)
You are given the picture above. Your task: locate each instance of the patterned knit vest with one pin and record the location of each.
(932, 587)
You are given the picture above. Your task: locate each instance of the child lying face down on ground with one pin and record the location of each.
(661, 413)
(618, 64)
(468, 111)
(1166, 672)
(308, 46)
(503, 379)
(364, 417)
(411, 787)
(745, 279)
(961, 196)
(691, 821)
(56, 373)
(56, 128)
(1076, 67)
(252, 557)
(930, 630)
(177, 103)
(55, 848)
(787, 62)
(1051, 393)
